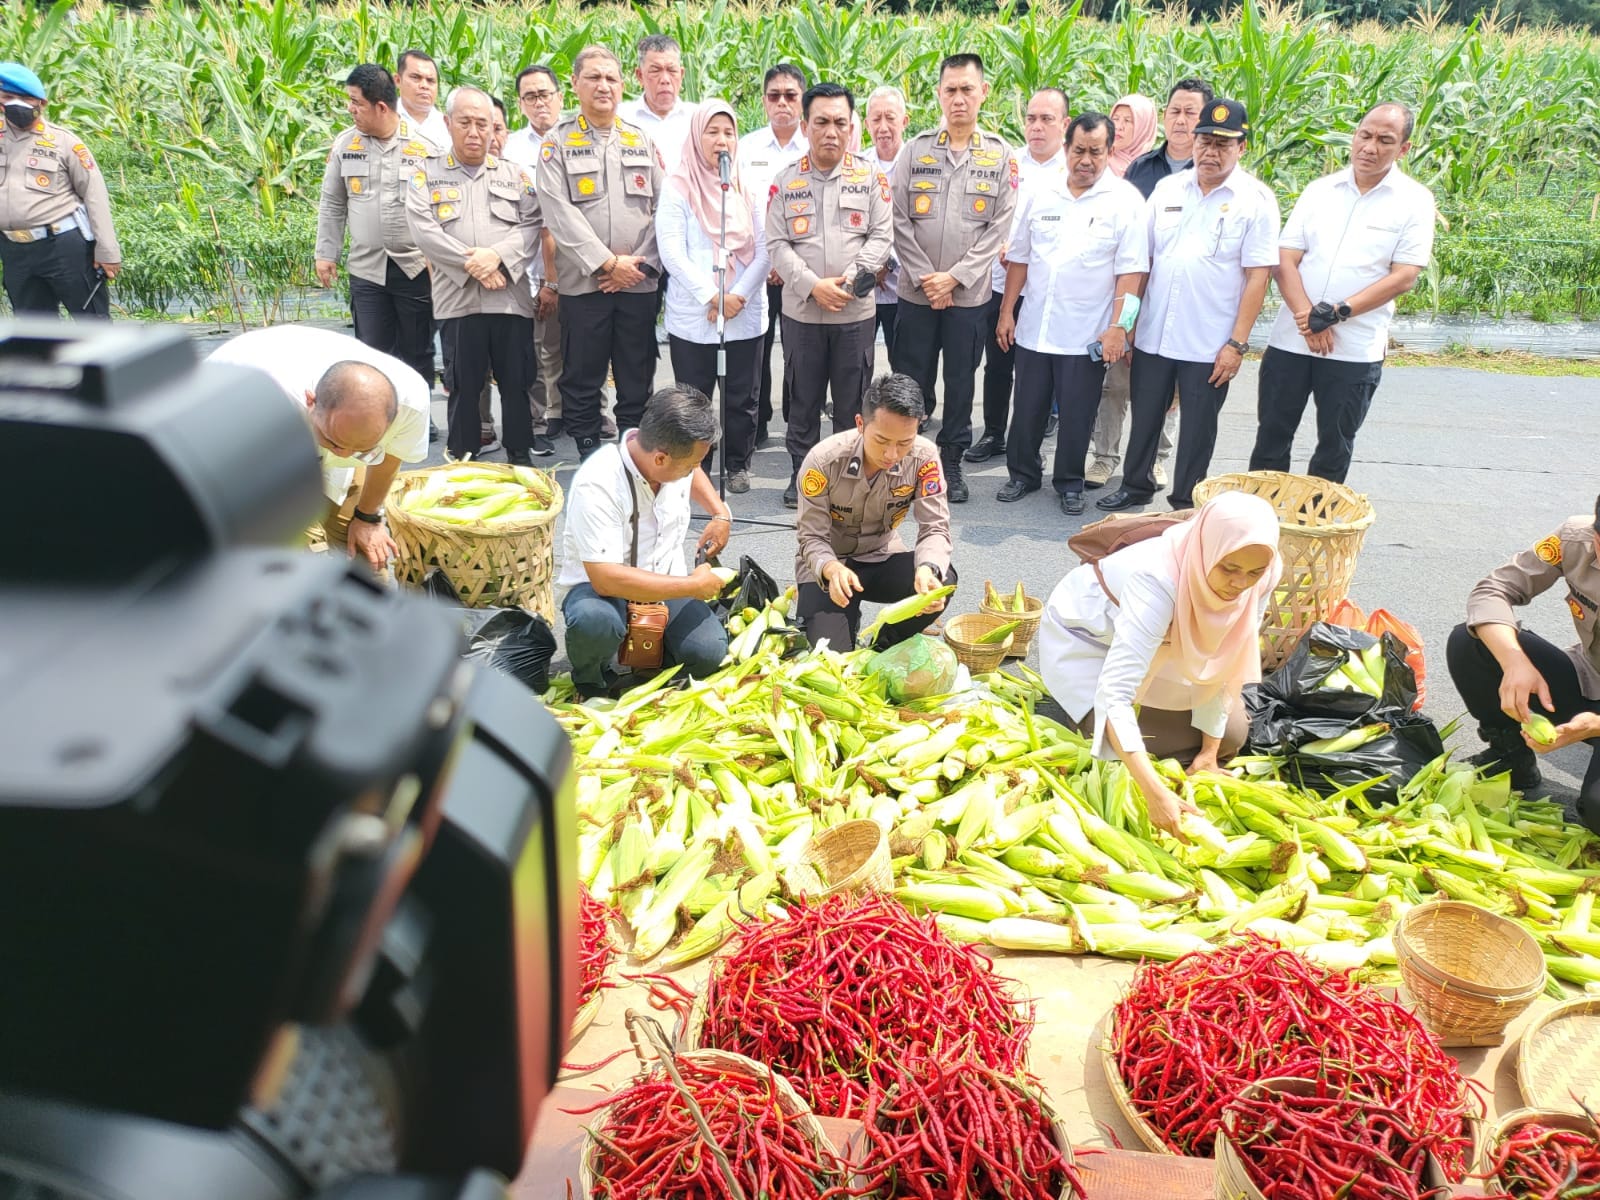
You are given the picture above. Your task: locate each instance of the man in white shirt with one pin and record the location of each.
(661, 110)
(1045, 163)
(887, 121)
(365, 408)
(1356, 240)
(626, 521)
(1081, 252)
(762, 153)
(417, 78)
(1213, 244)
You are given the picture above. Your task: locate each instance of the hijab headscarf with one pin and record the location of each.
(701, 186)
(1215, 643)
(1144, 132)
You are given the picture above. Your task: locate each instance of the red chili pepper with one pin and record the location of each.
(1536, 1160)
(595, 948)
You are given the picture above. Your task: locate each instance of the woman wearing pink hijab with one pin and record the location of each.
(689, 233)
(1135, 118)
(1170, 624)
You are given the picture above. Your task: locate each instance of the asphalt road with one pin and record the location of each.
(1462, 467)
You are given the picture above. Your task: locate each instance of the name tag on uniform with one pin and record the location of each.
(1050, 217)
(1173, 208)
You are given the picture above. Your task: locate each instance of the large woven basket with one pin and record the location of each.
(789, 1101)
(1022, 636)
(961, 633)
(1558, 1058)
(852, 857)
(1468, 972)
(1119, 1090)
(1321, 525)
(512, 566)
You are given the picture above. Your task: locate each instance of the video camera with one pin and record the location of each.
(288, 902)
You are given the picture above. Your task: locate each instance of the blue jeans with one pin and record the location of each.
(596, 625)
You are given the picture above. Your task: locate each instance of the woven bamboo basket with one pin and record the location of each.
(959, 633)
(852, 857)
(511, 566)
(1558, 1059)
(1233, 1181)
(1119, 1090)
(1021, 637)
(1516, 1118)
(1321, 525)
(794, 1108)
(1468, 972)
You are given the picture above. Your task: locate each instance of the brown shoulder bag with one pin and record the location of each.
(644, 644)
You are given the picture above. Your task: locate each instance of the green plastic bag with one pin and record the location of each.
(917, 667)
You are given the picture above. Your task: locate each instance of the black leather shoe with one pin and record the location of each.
(1072, 503)
(955, 486)
(1014, 490)
(1051, 424)
(1120, 499)
(791, 496)
(1508, 752)
(519, 458)
(988, 446)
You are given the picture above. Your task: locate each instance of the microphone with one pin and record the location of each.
(724, 168)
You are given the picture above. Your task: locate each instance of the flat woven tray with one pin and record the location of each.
(1559, 1056)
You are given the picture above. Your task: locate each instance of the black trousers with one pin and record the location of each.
(921, 333)
(1477, 677)
(54, 273)
(764, 398)
(886, 322)
(1344, 393)
(998, 369)
(1150, 388)
(1071, 383)
(603, 334)
(478, 344)
(695, 364)
(815, 359)
(881, 582)
(396, 317)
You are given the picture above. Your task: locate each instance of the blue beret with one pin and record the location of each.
(14, 77)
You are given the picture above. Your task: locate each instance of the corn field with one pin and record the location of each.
(213, 117)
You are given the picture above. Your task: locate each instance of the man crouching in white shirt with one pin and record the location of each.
(627, 519)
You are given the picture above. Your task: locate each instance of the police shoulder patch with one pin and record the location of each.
(1549, 550)
(84, 157)
(814, 483)
(547, 151)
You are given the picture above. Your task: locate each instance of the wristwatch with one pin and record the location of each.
(1343, 309)
(370, 518)
(1241, 347)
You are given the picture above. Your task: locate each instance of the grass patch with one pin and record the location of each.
(1496, 362)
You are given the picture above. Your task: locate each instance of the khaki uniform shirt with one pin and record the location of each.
(843, 514)
(364, 187)
(451, 211)
(1566, 556)
(47, 175)
(824, 224)
(598, 192)
(952, 212)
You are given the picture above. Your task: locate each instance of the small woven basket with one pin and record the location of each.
(1515, 1119)
(1321, 525)
(1558, 1058)
(960, 634)
(1022, 636)
(852, 857)
(1468, 972)
(509, 566)
(794, 1108)
(1119, 1091)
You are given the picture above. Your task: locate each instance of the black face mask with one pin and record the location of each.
(21, 116)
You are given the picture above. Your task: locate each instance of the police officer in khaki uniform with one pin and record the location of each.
(58, 247)
(476, 219)
(856, 488)
(364, 189)
(599, 179)
(954, 191)
(1505, 672)
(829, 227)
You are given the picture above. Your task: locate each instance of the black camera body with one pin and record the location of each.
(289, 890)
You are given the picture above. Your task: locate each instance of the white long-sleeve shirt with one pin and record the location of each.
(1096, 653)
(688, 253)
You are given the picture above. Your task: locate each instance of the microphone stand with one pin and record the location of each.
(722, 327)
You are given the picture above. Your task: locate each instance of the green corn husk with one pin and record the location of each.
(953, 898)
(997, 635)
(903, 610)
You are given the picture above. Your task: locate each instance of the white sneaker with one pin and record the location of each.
(1098, 474)
(1161, 474)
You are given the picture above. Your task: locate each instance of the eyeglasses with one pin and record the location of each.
(783, 95)
(537, 97)
(369, 458)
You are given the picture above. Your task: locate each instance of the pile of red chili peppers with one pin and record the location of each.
(1191, 1034)
(957, 1130)
(1319, 1146)
(595, 947)
(1535, 1160)
(649, 1145)
(840, 991)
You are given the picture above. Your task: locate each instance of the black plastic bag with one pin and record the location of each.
(513, 641)
(1323, 649)
(1410, 743)
(753, 589)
